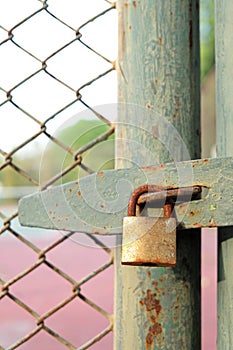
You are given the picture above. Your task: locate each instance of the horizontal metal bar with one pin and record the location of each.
(97, 203)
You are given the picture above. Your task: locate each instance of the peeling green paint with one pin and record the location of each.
(212, 207)
(97, 203)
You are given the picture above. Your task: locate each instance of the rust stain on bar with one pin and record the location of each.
(101, 174)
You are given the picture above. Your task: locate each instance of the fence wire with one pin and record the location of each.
(13, 37)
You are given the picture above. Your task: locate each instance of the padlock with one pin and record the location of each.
(149, 241)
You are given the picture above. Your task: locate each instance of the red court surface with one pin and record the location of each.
(42, 289)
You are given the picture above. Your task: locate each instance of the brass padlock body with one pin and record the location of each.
(149, 241)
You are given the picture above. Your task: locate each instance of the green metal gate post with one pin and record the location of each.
(224, 115)
(158, 66)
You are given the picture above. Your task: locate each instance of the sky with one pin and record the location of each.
(41, 35)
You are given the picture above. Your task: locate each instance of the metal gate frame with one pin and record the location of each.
(158, 66)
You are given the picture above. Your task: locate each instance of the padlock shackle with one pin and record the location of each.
(169, 193)
(167, 209)
(144, 189)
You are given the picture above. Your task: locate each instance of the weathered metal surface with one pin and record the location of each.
(149, 241)
(184, 193)
(97, 203)
(158, 308)
(166, 195)
(224, 127)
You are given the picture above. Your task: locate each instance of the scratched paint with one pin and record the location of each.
(159, 71)
(224, 130)
(98, 203)
(153, 307)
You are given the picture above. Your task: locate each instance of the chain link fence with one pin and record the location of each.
(54, 63)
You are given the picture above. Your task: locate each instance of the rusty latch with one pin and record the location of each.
(97, 203)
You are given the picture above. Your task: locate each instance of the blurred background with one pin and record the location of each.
(58, 91)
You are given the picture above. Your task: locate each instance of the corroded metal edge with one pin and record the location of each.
(97, 203)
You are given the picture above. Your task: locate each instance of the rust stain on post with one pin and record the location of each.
(153, 308)
(153, 332)
(160, 40)
(176, 113)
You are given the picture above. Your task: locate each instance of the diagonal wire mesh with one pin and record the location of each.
(41, 48)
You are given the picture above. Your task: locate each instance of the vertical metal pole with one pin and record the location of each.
(158, 308)
(224, 121)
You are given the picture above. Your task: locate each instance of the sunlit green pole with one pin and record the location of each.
(158, 68)
(224, 115)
